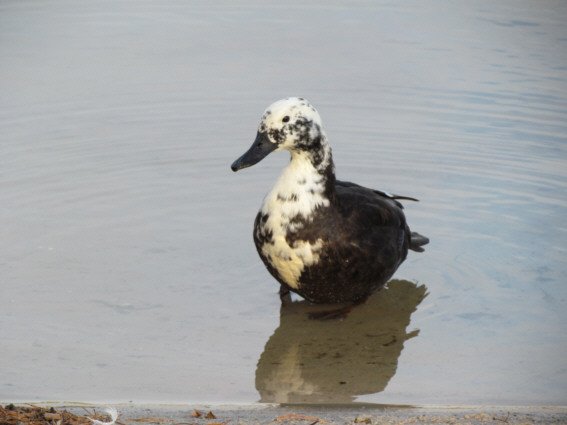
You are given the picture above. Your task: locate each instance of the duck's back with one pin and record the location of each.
(362, 238)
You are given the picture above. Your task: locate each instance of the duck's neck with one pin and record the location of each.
(318, 162)
(307, 183)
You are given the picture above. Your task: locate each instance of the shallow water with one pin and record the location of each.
(128, 270)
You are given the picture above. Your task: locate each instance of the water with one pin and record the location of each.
(128, 270)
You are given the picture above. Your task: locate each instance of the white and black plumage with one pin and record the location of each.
(326, 240)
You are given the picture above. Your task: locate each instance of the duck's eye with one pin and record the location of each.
(285, 119)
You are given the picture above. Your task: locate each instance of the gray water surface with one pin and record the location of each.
(127, 268)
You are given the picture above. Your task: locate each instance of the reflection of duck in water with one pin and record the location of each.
(312, 361)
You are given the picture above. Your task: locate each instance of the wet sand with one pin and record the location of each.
(297, 414)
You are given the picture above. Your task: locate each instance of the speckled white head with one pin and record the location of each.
(291, 123)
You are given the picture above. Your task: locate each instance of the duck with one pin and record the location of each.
(329, 241)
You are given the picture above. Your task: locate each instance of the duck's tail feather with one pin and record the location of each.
(394, 196)
(404, 198)
(417, 241)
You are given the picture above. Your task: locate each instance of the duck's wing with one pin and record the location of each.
(369, 205)
(377, 207)
(392, 196)
(375, 221)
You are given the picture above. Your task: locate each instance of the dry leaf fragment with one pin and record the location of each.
(196, 414)
(210, 415)
(52, 416)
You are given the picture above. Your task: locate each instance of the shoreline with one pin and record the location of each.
(256, 413)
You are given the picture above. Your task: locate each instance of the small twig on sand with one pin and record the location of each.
(300, 417)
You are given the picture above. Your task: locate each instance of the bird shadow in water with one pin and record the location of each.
(313, 361)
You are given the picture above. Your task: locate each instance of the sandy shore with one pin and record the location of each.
(130, 414)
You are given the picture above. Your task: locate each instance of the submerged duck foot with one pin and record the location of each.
(339, 313)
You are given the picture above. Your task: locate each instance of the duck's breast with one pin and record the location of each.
(356, 246)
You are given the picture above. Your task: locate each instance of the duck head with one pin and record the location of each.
(291, 124)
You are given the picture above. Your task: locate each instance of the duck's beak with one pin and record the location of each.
(258, 151)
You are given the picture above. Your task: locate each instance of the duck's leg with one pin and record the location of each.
(285, 295)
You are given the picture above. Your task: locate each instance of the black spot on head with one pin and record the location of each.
(277, 136)
(302, 127)
(266, 115)
(301, 98)
(286, 118)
